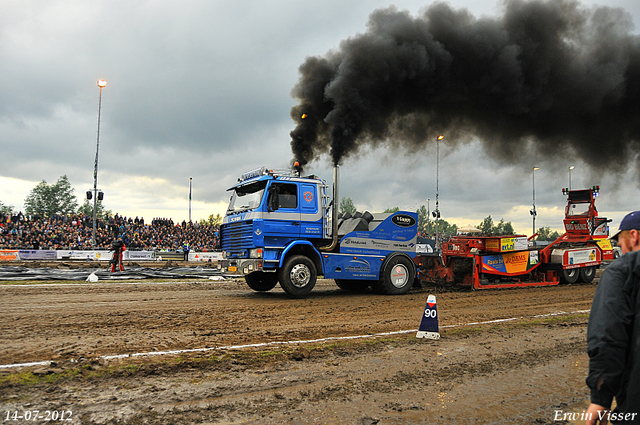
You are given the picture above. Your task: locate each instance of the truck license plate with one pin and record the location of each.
(233, 269)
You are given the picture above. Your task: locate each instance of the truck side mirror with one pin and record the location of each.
(273, 202)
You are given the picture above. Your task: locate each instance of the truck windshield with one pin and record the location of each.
(578, 209)
(247, 197)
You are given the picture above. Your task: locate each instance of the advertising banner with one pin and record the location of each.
(84, 255)
(582, 256)
(512, 263)
(8, 255)
(205, 256)
(517, 243)
(138, 256)
(37, 255)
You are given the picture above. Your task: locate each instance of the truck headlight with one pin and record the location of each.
(255, 253)
(225, 254)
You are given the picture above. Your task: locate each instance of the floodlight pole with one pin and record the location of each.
(437, 211)
(533, 211)
(190, 179)
(428, 217)
(101, 84)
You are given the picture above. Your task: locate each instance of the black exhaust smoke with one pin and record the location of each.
(553, 75)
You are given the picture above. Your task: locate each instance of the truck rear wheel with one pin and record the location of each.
(587, 274)
(569, 275)
(397, 276)
(353, 285)
(298, 276)
(261, 281)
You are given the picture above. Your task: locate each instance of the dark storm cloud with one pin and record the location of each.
(554, 75)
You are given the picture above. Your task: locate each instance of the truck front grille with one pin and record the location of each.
(237, 237)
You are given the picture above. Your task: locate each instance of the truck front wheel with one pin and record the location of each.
(298, 275)
(397, 277)
(261, 281)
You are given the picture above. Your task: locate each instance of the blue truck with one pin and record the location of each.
(282, 227)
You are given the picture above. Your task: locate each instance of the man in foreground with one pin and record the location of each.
(613, 334)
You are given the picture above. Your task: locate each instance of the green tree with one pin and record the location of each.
(486, 226)
(392, 210)
(6, 209)
(508, 229)
(445, 228)
(423, 219)
(212, 220)
(87, 209)
(504, 228)
(48, 200)
(545, 234)
(489, 228)
(347, 206)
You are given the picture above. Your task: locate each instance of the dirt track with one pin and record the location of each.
(509, 372)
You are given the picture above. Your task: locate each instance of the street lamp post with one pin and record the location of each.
(428, 218)
(436, 213)
(101, 84)
(533, 211)
(190, 179)
(570, 168)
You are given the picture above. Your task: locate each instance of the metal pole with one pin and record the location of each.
(101, 84)
(428, 217)
(438, 189)
(190, 179)
(533, 212)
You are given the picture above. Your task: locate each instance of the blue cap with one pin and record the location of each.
(629, 222)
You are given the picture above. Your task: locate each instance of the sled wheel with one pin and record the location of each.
(298, 276)
(261, 281)
(397, 276)
(353, 285)
(569, 275)
(587, 274)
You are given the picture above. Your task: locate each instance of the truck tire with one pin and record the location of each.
(353, 285)
(261, 281)
(298, 275)
(569, 275)
(587, 274)
(398, 274)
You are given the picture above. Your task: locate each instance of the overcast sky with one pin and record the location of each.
(202, 89)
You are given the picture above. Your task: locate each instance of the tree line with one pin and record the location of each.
(48, 200)
(427, 226)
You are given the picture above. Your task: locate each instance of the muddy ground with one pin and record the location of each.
(527, 370)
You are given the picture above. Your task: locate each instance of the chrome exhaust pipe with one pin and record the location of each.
(334, 211)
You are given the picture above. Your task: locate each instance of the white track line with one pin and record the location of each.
(101, 282)
(307, 341)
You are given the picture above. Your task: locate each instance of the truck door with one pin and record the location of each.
(310, 213)
(283, 221)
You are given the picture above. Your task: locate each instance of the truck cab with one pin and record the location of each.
(269, 210)
(280, 227)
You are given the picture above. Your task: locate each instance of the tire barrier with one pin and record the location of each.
(358, 222)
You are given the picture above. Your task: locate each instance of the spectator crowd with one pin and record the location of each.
(75, 231)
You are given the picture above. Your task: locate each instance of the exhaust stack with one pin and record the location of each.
(334, 211)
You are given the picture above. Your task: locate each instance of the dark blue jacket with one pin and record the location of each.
(613, 338)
